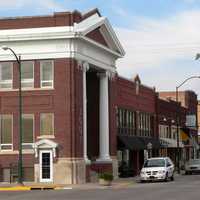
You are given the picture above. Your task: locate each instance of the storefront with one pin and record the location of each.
(133, 151)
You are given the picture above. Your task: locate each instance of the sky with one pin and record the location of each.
(160, 37)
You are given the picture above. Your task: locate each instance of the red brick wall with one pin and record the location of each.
(6, 160)
(58, 19)
(144, 101)
(112, 118)
(169, 110)
(127, 97)
(65, 101)
(78, 110)
(97, 36)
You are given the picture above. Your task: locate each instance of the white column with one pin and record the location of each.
(103, 118)
(85, 68)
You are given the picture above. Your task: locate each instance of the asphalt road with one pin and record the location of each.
(183, 188)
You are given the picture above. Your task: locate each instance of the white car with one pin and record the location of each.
(158, 168)
(192, 166)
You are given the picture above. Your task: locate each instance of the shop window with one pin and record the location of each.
(125, 121)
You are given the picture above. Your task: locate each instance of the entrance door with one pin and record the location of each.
(46, 166)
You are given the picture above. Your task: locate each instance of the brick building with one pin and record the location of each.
(170, 116)
(136, 125)
(79, 117)
(188, 99)
(69, 84)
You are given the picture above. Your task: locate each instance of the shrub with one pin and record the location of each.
(106, 176)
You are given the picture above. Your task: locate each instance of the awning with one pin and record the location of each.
(149, 140)
(185, 135)
(131, 142)
(170, 143)
(137, 143)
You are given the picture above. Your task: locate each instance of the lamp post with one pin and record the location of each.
(178, 121)
(20, 163)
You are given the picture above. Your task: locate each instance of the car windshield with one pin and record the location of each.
(194, 162)
(155, 163)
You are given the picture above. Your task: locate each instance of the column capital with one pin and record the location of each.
(108, 74)
(85, 66)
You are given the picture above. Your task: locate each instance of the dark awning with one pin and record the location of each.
(137, 143)
(131, 142)
(155, 142)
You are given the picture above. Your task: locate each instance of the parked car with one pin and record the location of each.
(192, 166)
(159, 168)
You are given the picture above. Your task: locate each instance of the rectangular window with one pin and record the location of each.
(27, 74)
(46, 74)
(126, 121)
(27, 130)
(6, 132)
(46, 124)
(6, 73)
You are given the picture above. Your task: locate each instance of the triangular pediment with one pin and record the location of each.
(98, 29)
(97, 36)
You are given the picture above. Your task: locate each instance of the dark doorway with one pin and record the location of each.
(92, 114)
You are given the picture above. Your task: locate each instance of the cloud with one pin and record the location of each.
(157, 43)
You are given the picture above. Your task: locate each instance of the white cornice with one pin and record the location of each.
(37, 34)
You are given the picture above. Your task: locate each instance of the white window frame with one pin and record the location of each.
(41, 75)
(11, 144)
(7, 81)
(28, 80)
(53, 118)
(27, 144)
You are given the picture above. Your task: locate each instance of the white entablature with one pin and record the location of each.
(65, 42)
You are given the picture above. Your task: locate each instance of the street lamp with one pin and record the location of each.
(20, 164)
(177, 120)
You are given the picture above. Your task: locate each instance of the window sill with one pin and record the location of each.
(25, 89)
(46, 137)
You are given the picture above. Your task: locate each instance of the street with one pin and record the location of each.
(183, 188)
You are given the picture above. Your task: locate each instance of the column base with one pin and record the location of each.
(87, 161)
(104, 160)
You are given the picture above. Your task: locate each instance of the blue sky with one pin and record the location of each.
(160, 37)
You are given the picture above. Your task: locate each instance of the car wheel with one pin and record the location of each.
(186, 173)
(166, 177)
(142, 181)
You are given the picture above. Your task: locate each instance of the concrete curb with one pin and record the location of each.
(115, 185)
(15, 188)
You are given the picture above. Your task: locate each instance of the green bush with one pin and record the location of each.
(106, 176)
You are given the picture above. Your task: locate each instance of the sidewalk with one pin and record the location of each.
(118, 183)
